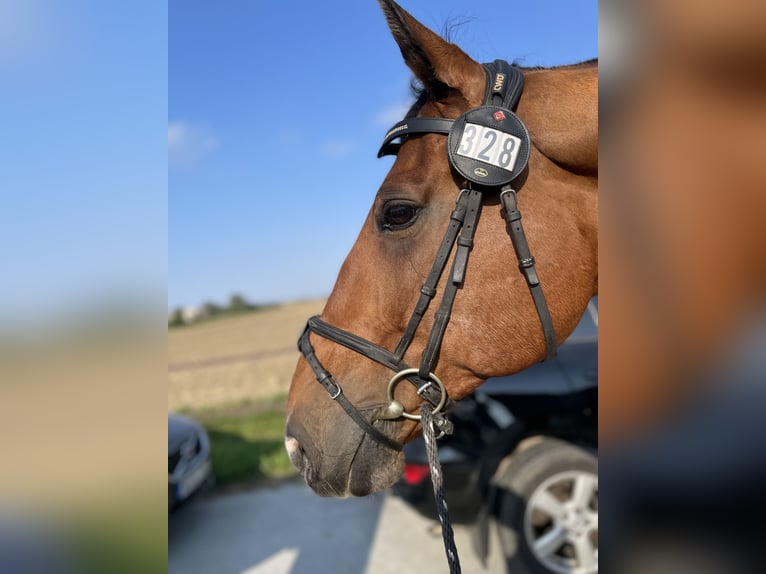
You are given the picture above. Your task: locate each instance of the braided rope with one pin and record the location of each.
(436, 478)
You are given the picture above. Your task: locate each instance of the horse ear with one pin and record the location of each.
(438, 64)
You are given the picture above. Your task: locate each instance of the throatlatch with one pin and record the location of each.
(489, 147)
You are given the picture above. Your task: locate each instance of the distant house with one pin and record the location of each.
(190, 314)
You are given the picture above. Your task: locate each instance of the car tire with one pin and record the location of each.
(547, 509)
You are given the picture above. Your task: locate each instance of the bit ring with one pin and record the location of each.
(432, 379)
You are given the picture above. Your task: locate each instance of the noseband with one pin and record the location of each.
(489, 146)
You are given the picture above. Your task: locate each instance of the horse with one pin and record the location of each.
(494, 325)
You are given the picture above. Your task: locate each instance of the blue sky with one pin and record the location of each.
(276, 111)
(212, 147)
(83, 164)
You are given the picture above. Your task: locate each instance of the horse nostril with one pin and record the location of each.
(294, 452)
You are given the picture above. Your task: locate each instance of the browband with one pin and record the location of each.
(412, 126)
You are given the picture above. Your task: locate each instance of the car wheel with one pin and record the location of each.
(547, 512)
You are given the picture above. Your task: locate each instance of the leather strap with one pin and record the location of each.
(504, 85)
(412, 126)
(336, 393)
(371, 351)
(444, 313)
(428, 291)
(512, 217)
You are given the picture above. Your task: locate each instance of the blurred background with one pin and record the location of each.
(683, 119)
(164, 159)
(83, 234)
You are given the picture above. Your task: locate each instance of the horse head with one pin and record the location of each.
(494, 328)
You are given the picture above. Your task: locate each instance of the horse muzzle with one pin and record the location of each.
(346, 463)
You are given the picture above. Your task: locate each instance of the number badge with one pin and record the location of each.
(489, 146)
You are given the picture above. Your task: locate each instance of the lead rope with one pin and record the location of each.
(448, 536)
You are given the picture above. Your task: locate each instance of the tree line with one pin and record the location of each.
(237, 304)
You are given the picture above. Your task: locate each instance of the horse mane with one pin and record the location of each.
(584, 64)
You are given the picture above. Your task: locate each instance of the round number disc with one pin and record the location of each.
(489, 146)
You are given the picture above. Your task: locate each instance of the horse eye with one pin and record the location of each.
(399, 215)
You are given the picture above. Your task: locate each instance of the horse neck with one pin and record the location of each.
(560, 109)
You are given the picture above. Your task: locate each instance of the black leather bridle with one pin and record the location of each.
(505, 84)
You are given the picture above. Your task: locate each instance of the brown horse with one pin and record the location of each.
(494, 328)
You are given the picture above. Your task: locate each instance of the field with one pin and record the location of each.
(233, 360)
(232, 375)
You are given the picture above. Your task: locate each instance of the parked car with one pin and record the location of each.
(523, 457)
(189, 466)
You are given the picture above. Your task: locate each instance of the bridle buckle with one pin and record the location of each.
(423, 388)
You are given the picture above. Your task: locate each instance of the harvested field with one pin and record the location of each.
(225, 361)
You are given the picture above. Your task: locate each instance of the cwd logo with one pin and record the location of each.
(480, 172)
(499, 81)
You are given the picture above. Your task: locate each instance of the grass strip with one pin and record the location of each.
(246, 441)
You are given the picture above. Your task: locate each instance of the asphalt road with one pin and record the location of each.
(287, 529)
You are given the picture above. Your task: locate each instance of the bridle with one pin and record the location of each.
(487, 170)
